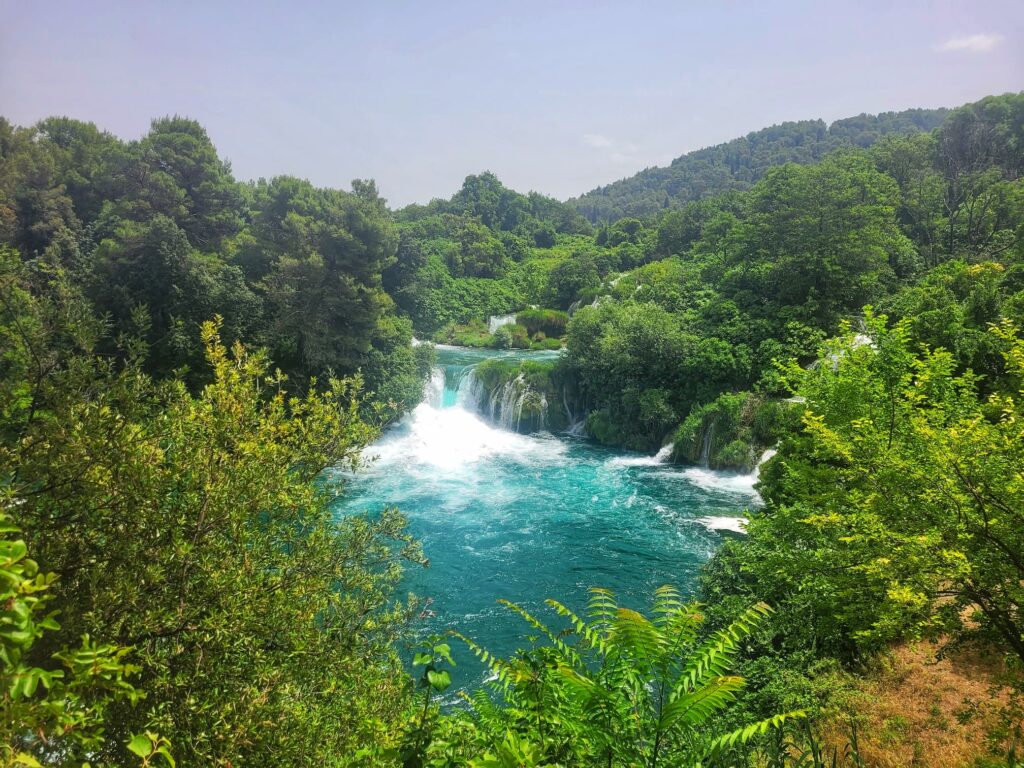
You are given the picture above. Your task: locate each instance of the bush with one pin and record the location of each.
(550, 322)
(735, 429)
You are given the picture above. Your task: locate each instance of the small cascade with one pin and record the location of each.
(577, 428)
(705, 451)
(569, 415)
(661, 457)
(765, 457)
(433, 391)
(467, 388)
(514, 405)
(494, 322)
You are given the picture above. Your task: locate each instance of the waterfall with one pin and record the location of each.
(568, 411)
(433, 391)
(705, 453)
(577, 428)
(505, 405)
(468, 390)
(494, 322)
(661, 457)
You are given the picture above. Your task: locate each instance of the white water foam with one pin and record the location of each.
(734, 524)
(741, 485)
(451, 438)
(433, 392)
(661, 457)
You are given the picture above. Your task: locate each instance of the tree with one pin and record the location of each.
(55, 714)
(198, 530)
(174, 171)
(571, 278)
(896, 513)
(325, 253)
(821, 239)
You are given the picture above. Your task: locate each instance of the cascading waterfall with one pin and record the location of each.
(508, 402)
(661, 457)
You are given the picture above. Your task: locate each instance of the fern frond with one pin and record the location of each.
(490, 716)
(696, 707)
(591, 636)
(667, 601)
(745, 734)
(715, 657)
(601, 608)
(505, 673)
(634, 635)
(568, 653)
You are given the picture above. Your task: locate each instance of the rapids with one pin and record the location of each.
(526, 517)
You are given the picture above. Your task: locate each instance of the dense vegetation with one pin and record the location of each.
(739, 163)
(177, 588)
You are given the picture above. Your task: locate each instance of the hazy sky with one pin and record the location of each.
(553, 96)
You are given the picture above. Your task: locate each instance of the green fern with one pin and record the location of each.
(619, 687)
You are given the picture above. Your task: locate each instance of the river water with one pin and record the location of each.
(527, 517)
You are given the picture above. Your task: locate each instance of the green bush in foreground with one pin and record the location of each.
(616, 689)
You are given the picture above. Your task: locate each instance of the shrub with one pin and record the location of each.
(550, 322)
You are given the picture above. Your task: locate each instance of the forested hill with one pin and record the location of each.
(739, 163)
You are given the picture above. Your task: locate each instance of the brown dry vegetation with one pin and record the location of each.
(916, 710)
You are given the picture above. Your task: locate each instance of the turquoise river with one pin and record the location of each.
(526, 517)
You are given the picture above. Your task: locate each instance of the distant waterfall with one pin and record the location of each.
(507, 403)
(705, 452)
(494, 322)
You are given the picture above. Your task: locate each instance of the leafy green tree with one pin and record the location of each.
(895, 513)
(477, 252)
(54, 715)
(174, 171)
(822, 239)
(327, 249)
(197, 529)
(570, 279)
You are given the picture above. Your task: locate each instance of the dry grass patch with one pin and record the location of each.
(916, 710)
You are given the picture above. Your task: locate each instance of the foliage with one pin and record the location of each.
(739, 163)
(159, 237)
(549, 322)
(53, 714)
(893, 515)
(197, 530)
(733, 431)
(618, 688)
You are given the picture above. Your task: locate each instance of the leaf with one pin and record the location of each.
(445, 652)
(141, 745)
(439, 681)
